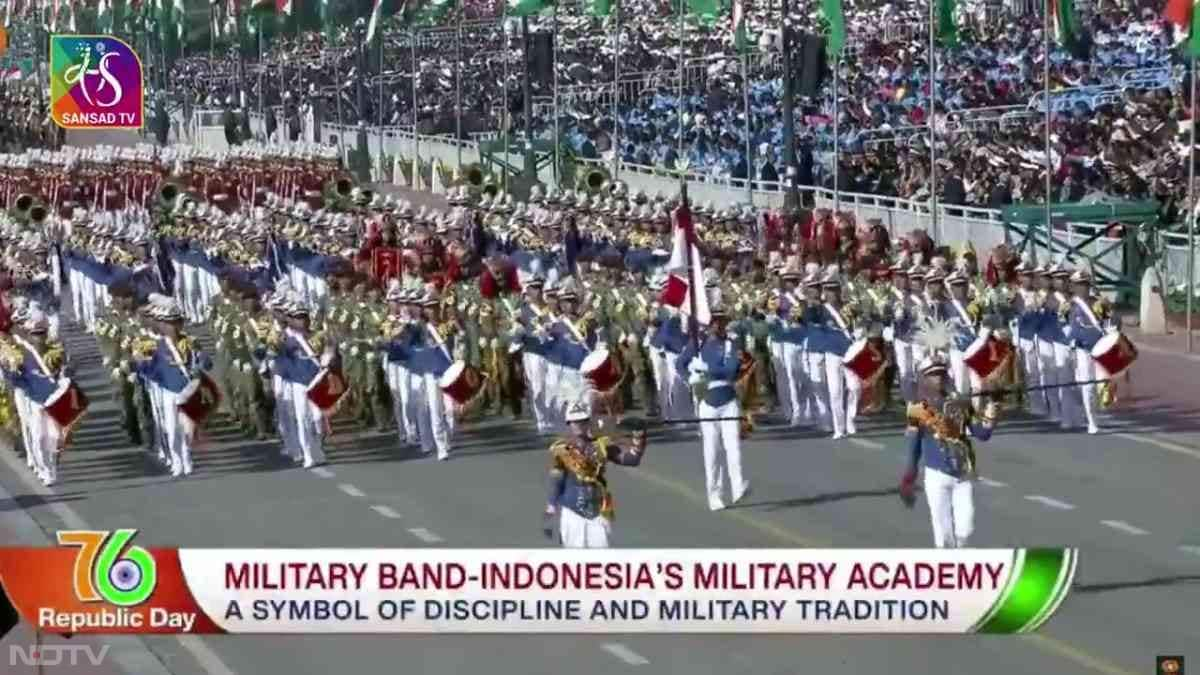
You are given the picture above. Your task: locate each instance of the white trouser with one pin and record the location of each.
(308, 425)
(157, 412)
(1029, 354)
(399, 382)
(783, 389)
(1049, 374)
(179, 441)
(818, 393)
(1085, 371)
(793, 362)
(662, 379)
(75, 281)
(906, 372)
(555, 405)
(43, 436)
(844, 391)
(682, 404)
(22, 404)
(428, 406)
(535, 381)
(1064, 362)
(721, 437)
(951, 508)
(579, 532)
(285, 417)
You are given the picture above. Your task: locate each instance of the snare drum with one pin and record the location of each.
(865, 359)
(66, 405)
(1114, 353)
(600, 369)
(327, 390)
(461, 382)
(987, 356)
(199, 399)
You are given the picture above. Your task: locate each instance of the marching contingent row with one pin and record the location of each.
(328, 300)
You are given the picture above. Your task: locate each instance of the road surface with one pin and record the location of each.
(1126, 498)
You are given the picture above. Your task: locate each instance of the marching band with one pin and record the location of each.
(327, 300)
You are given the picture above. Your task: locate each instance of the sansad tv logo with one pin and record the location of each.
(95, 83)
(108, 569)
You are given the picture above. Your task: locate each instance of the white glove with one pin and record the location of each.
(697, 365)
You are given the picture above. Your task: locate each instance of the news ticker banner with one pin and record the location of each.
(99, 582)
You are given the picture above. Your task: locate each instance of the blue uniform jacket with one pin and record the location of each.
(426, 356)
(1084, 332)
(31, 379)
(936, 453)
(721, 357)
(295, 364)
(586, 495)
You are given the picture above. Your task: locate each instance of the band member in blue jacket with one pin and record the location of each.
(300, 360)
(1027, 306)
(578, 487)
(174, 364)
(940, 427)
(432, 352)
(1086, 331)
(400, 332)
(533, 336)
(712, 372)
(33, 366)
(836, 326)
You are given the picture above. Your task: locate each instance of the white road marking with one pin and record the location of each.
(385, 511)
(323, 472)
(1165, 445)
(624, 653)
(208, 660)
(425, 535)
(351, 490)
(1194, 550)
(868, 444)
(1052, 503)
(992, 483)
(1123, 526)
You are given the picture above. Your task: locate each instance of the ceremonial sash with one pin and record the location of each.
(303, 342)
(175, 354)
(437, 338)
(571, 326)
(36, 355)
(1088, 311)
(962, 314)
(837, 317)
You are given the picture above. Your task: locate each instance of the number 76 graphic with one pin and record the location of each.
(108, 569)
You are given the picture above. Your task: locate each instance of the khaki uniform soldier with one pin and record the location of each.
(257, 401)
(114, 325)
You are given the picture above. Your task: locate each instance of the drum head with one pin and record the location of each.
(976, 346)
(1104, 344)
(854, 350)
(452, 374)
(593, 361)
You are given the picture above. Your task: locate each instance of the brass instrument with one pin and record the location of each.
(168, 193)
(594, 180)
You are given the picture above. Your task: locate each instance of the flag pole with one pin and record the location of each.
(554, 86)
(933, 196)
(262, 100)
(749, 124)
(457, 86)
(412, 43)
(679, 111)
(837, 141)
(504, 112)
(1046, 120)
(1191, 265)
(616, 138)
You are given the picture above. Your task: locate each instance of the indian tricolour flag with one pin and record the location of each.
(1183, 14)
(376, 17)
(741, 32)
(1065, 23)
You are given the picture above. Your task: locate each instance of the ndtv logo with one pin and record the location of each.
(56, 655)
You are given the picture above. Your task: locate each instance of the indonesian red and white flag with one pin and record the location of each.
(685, 264)
(283, 7)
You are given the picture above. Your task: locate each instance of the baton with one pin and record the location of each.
(1039, 387)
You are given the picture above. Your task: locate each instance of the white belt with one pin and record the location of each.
(716, 384)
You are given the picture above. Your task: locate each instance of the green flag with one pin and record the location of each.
(600, 7)
(741, 32)
(434, 12)
(947, 26)
(835, 21)
(706, 10)
(524, 7)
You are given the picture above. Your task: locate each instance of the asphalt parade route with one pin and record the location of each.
(1126, 498)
